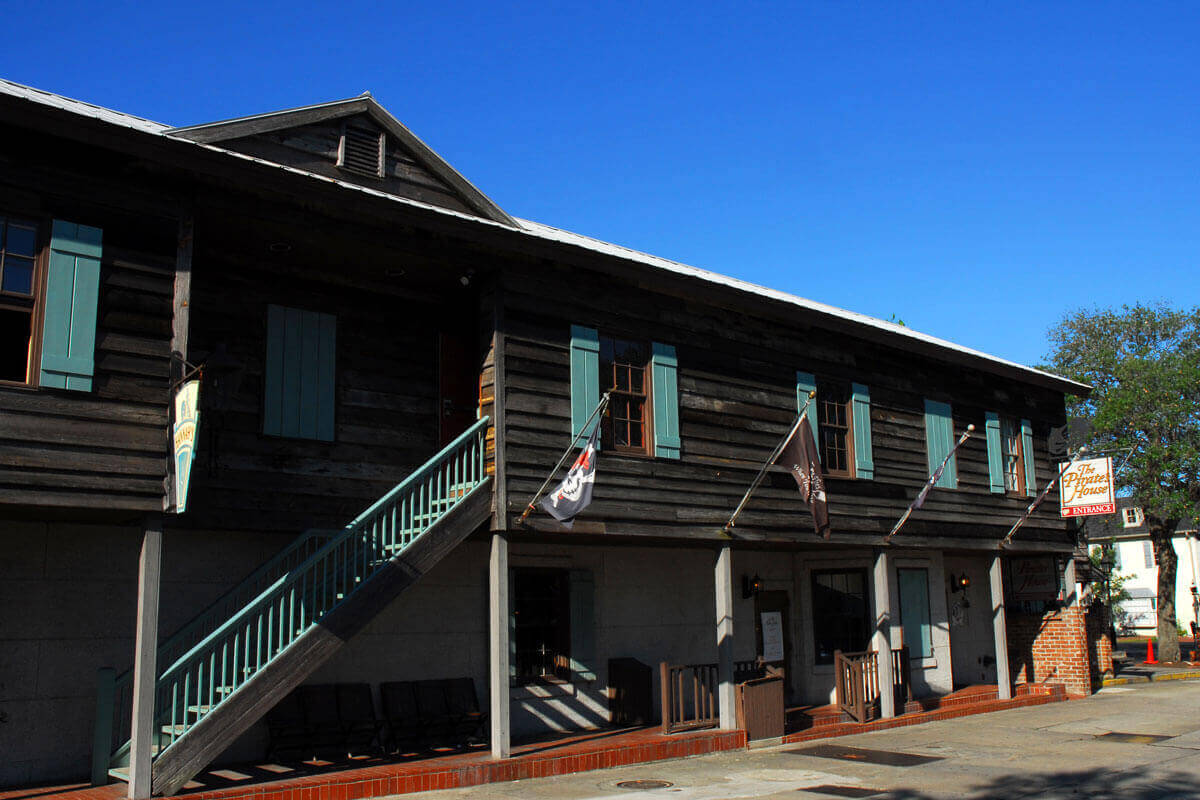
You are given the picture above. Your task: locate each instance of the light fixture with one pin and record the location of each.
(751, 586)
(960, 582)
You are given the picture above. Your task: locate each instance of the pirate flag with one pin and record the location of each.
(574, 494)
(800, 456)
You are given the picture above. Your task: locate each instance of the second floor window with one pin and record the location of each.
(18, 295)
(623, 372)
(835, 427)
(1012, 455)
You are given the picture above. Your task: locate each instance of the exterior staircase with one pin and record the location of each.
(227, 668)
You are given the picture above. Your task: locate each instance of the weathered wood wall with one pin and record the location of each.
(737, 398)
(104, 449)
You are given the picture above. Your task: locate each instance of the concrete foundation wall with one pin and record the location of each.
(68, 601)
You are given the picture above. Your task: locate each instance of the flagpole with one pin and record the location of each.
(908, 511)
(567, 454)
(774, 455)
(1038, 500)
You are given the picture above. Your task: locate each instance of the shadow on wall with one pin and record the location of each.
(1099, 784)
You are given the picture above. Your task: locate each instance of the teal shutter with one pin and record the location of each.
(939, 440)
(664, 385)
(995, 456)
(805, 383)
(914, 611)
(583, 625)
(72, 296)
(299, 379)
(1027, 450)
(585, 377)
(860, 404)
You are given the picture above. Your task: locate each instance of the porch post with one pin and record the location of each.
(498, 616)
(726, 692)
(144, 668)
(1070, 593)
(881, 641)
(1000, 630)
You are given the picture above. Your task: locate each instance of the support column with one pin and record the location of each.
(1000, 630)
(498, 620)
(144, 668)
(1070, 591)
(726, 691)
(881, 641)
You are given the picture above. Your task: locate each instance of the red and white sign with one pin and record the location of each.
(1086, 488)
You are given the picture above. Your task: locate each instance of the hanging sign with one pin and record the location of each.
(1033, 578)
(187, 418)
(1086, 488)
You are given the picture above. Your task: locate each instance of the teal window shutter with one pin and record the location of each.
(72, 297)
(860, 404)
(914, 611)
(583, 625)
(664, 385)
(806, 382)
(939, 440)
(585, 377)
(995, 456)
(1027, 451)
(299, 379)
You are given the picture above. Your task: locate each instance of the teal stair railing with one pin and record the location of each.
(116, 692)
(213, 670)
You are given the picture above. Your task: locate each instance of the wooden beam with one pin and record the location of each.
(1000, 629)
(498, 395)
(498, 644)
(726, 690)
(144, 655)
(881, 641)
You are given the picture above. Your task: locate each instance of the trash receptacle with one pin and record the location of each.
(760, 710)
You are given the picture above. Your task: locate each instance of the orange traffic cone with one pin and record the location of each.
(1150, 659)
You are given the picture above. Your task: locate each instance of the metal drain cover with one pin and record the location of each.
(644, 785)
(1133, 738)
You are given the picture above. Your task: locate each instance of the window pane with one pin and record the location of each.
(839, 613)
(14, 344)
(20, 239)
(17, 275)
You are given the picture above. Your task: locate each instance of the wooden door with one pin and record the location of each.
(772, 628)
(458, 382)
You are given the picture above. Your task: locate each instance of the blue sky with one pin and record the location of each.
(976, 169)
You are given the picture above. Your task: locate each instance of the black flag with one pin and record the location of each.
(800, 456)
(575, 492)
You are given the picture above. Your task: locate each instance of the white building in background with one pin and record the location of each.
(1134, 558)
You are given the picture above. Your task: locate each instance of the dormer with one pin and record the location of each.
(355, 141)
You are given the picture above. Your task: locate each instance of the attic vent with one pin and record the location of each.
(361, 151)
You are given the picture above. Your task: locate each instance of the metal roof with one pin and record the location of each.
(865, 323)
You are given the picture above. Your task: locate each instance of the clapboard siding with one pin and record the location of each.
(106, 448)
(737, 397)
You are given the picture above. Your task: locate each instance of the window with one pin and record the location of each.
(541, 625)
(1012, 457)
(839, 612)
(835, 428)
(1148, 554)
(18, 298)
(914, 611)
(1133, 517)
(299, 379)
(623, 368)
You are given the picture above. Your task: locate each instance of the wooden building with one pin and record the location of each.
(372, 332)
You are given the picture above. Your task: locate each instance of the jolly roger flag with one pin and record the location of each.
(800, 456)
(574, 494)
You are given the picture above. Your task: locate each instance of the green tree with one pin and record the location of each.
(1109, 591)
(1143, 363)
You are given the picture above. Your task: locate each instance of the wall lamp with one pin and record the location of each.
(960, 582)
(751, 586)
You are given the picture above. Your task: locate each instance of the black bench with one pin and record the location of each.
(432, 713)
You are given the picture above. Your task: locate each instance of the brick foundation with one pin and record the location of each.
(1052, 647)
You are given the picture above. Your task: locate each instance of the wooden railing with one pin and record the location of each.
(856, 677)
(689, 694)
(248, 640)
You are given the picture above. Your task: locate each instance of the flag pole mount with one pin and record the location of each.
(767, 465)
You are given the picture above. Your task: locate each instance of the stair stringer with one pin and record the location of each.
(214, 732)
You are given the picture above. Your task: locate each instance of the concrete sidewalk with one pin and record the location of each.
(1054, 751)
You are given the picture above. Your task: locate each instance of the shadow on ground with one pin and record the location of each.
(1100, 784)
